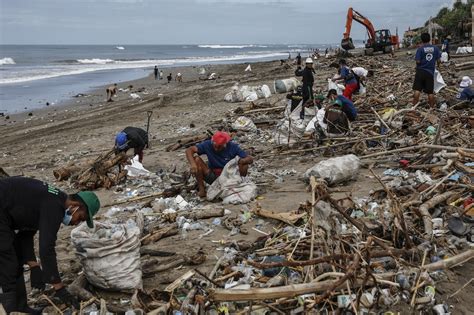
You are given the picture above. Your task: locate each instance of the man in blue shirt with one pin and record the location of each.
(426, 58)
(349, 78)
(220, 150)
(347, 106)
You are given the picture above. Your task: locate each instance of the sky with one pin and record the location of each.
(122, 22)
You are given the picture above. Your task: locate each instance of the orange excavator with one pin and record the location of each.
(380, 40)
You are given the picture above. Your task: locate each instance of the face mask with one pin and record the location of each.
(68, 215)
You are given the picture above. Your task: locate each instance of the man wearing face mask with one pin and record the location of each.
(26, 206)
(219, 151)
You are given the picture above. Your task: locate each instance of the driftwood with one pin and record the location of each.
(64, 173)
(166, 193)
(289, 291)
(417, 147)
(78, 288)
(451, 261)
(187, 141)
(157, 235)
(287, 217)
(262, 110)
(205, 214)
(95, 174)
(176, 283)
(425, 214)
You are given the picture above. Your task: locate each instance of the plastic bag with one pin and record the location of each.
(136, 169)
(292, 125)
(285, 85)
(439, 82)
(247, 93)
(334, 86)
(335, 170)
(245, 124)
(231, 187)
(444, 57)
(110, 254)
(464, 50)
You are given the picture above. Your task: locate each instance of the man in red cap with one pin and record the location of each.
(219, 151)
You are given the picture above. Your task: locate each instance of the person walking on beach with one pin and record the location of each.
(170, 77)
(111, 92)
(308, 79)
(155, 71)
(132, 137)
(445, 47)
(426, 58)
(161, 74)
(298, 59)
(179, 77)
(28, 206)
(220, 150)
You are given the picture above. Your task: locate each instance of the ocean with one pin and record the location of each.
(31, 75)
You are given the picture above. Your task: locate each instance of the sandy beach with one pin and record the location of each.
(36, 144)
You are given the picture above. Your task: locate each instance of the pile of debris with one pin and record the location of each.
(383, 252)
(105, 171)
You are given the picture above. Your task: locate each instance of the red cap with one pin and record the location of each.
(220, 138)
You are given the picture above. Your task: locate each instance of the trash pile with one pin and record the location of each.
(102, 172)
(247, 93)
(383, 252)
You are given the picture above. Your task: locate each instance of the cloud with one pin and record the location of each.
(200, 21)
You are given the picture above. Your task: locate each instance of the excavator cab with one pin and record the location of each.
(381, 42)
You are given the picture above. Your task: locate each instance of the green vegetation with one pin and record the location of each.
(455, 21)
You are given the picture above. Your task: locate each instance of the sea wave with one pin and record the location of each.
(91, 65)
(230, 46)
(7, 61)
(97, 61)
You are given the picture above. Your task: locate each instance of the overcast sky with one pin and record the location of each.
(200, 21)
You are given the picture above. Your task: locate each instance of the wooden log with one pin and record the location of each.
(186, 140)
(416, 147)
(451, 261)
(262, 110)
(164, 267)
(65, 172)
(287, 217)
(288, 291)
(205, 214)
(176, 283)
(465, 154)
(78, 288)
(162, 233)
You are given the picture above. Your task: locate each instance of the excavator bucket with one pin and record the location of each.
(347, 44)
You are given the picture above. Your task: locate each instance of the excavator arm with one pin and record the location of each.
(352, 15)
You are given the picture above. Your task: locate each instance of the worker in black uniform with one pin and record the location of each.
(308, 79)
(132, 137)
(28, 205)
